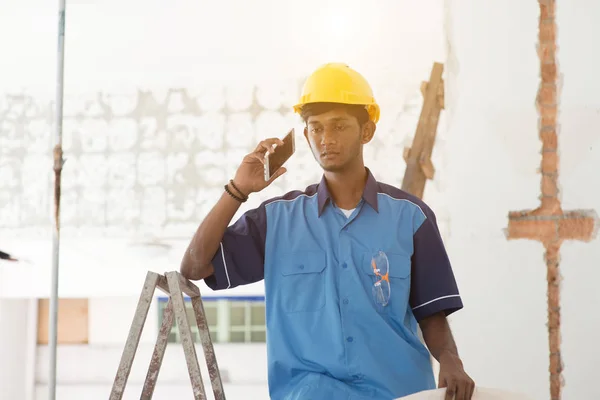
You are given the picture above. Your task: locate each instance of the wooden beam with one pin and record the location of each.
(419, 167)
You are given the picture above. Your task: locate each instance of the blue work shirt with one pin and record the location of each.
(327, 335)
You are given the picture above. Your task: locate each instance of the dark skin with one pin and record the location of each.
(336, 140)
(197, 260)
(440, 342)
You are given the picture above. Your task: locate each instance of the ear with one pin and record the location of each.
(368, 131)
(306, 135)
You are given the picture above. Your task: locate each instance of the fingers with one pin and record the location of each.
(268, 145)
(256, 156)
(471, 389)
(277, 174)
(465, 388)
(460, 390)
(442, 383)
(450, 390)
(263, 147)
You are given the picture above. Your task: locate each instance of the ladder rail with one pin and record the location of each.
(187, 340)
(159, 352)
(133, 339)
(209, 351)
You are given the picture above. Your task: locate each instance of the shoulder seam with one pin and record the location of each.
(413, 203)
(280, 200)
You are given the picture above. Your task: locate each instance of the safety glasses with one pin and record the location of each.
(381, 268)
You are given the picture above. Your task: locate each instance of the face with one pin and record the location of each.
(336, 139)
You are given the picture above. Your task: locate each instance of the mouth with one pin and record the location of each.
(329, 155)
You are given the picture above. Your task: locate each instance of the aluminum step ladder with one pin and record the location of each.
(174, 285)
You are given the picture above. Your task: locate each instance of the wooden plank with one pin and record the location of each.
(73, 321)
(418, 158)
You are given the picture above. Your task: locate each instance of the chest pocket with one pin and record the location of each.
(302, 282)
(399, 277)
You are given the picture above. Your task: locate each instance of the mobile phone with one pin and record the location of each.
(275, 159)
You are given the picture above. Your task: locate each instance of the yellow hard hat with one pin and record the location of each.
(338, 83)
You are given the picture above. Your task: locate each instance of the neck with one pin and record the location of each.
(346, 187)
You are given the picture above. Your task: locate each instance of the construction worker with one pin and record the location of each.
(350, 265)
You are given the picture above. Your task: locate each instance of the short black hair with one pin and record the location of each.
(356, 110)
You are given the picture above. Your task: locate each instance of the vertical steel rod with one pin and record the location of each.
(58, 164)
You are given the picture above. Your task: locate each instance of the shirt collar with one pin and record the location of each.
(369, 194)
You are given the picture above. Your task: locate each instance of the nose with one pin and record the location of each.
(329, 137)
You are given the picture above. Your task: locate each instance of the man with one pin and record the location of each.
(350, 265)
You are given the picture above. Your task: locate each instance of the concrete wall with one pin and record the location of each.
(159, 74)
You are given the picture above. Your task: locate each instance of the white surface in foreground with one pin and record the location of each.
(481, 393)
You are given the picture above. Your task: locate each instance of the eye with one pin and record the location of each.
(340, 127)
(317, 129)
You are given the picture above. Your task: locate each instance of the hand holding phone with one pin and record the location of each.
(274, 159)
(263, 165)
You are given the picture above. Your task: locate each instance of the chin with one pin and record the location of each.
(332, 167)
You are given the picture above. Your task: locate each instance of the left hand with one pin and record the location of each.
(459, 385)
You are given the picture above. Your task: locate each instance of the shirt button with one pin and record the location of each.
(301, 266)
(345, 301)
(349, 338)
(344, 265)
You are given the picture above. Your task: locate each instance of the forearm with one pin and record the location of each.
(438, 336)
(197, 260)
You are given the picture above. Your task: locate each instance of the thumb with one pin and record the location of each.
(442, 382)
(277, 174)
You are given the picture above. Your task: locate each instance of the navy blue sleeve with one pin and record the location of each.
(241, 254)
(433, 286)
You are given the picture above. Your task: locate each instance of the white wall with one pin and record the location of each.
(486, 157)
(580, 161)
(493, 153)
(18, 334)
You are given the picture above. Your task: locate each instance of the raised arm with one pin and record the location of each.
(197, 260)
(213, 233)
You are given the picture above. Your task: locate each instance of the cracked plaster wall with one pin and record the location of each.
(150, 158)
